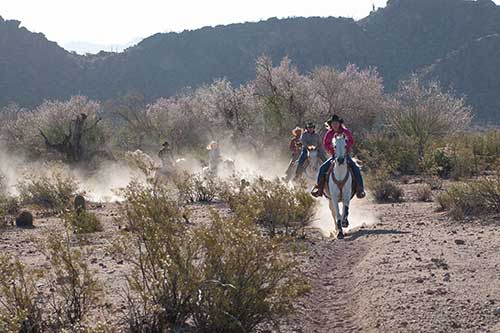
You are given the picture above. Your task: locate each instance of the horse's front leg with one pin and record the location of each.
(345, 206)
(336, 211)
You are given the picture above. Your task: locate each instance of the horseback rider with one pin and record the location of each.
(214, 156)
(295, 149)
(336, 127)
(309, 138)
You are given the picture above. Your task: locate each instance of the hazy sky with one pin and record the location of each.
(120, 21)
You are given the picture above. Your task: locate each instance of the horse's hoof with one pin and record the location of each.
(345, 224)
(340, 235)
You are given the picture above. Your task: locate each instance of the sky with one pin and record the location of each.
(116, 22)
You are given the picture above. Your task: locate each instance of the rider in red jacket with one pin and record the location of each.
(336, 126)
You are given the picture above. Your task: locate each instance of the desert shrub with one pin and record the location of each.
(222, 277)
(162, 286)
(196, 188)
(53, 191)
(477, 197)
(384, 190)
(424, 193)
(434, 182)
(247, 279)
(20, 308)
(8, 205)
(83, 222)
(273, 205)
(385, 150)
(75, 288)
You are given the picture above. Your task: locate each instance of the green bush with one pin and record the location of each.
(83, 222)
(247, 279)
(53, 191)
(162, 252)
(424, 193)
(20, 310)
(273, 205)
(384, 190)
(75, 290)
(221, 277)
(195, 188)
(479, 197)
(387, 149)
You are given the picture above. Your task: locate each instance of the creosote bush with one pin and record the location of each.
(161, 251)
(222, 277)
(196, 188)
(424, 193)
(383, 189)
(20, 308)
(75, 288)
(247, 279)
(52, 191)
(474, 198)
(83, 222)
(272, 204)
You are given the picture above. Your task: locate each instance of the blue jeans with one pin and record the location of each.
(303, 157)
(323, 170)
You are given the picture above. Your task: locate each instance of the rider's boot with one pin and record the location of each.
(360, 192)
(318, 189)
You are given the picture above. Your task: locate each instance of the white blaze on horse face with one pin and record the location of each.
(340, 144)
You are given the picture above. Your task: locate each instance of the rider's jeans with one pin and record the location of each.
(303, 156)
(355, 169)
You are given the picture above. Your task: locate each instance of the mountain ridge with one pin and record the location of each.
(405, 37)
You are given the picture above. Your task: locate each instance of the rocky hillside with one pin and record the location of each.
(454, 41)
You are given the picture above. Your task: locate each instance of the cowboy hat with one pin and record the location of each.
(335, 118)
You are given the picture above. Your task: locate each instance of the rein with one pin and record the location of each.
(341, 183)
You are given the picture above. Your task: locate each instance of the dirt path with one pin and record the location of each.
(415, 271)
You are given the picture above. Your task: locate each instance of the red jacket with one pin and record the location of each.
(327, 140)
(294, 148)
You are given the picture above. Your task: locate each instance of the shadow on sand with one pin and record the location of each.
(368, 232)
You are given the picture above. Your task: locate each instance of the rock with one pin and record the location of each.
(497, 311)
(420, 280)
(446, 277)
(459, 241)
(80, 204)
(24, 220)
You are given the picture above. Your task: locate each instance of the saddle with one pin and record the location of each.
(341, 183)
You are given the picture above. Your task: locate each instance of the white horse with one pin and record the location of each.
(340, 185)
(219, 167)
(314, 162)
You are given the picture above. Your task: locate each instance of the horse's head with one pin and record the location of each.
(340, 144)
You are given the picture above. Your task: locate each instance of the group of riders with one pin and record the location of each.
(302, 140)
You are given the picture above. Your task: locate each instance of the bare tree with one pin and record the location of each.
(356, 95)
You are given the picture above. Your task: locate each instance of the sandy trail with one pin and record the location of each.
(413, 271)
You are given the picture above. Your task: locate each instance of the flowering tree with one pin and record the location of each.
(425, 112)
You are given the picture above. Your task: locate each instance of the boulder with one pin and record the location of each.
(24, 220)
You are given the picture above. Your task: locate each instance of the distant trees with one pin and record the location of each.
(356, 95)
(258, 114)
(422, 113)
(70, 128)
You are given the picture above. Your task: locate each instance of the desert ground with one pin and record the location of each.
(402, 268)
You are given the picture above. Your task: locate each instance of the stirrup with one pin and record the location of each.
(316, 192)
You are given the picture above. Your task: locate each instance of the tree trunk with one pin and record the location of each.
(71, 146)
